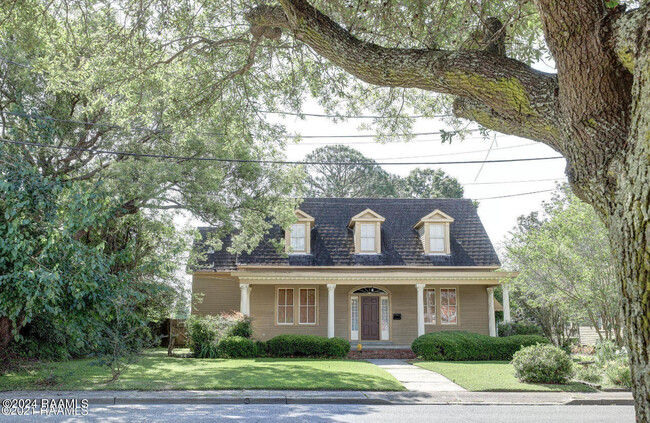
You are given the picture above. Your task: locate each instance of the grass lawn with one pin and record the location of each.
(156, 371)
(493, 376)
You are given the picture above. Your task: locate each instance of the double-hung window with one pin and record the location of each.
(307, 306)
(285, 306)
(436, 238)
(430, 306)
(298, 238)
(448, 306)
(368, 238)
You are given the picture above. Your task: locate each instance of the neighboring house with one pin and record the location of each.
(385, 270)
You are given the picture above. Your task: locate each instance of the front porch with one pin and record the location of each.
(382, 311)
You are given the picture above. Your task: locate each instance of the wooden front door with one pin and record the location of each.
(369, 318)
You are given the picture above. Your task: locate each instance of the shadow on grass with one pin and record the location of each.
(158, 372)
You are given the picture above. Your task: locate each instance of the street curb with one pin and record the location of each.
(330, 400)
(605, 401)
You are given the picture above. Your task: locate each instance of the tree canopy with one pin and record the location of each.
(566, 268)
(364, 177)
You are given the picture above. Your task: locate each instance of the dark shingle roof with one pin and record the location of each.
(332, 241)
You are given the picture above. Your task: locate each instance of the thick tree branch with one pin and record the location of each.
(511, 88)
(625, 34)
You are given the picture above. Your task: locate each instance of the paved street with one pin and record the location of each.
(349, 413)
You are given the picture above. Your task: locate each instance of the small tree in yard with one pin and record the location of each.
(124, 336)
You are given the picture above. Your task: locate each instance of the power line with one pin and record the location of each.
(319, 115)
(79, 122)
(514, 195)
(512, 182)
(214, 159)
(460, 153)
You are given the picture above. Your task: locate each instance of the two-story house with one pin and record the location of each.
(371, 270)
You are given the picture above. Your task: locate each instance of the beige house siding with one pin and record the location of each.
(223, 295)
(219, 294)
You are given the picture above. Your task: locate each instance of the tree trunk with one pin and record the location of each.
(5, 334)
(629, 227)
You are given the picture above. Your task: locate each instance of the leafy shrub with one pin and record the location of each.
(262, 348)
(241, 327)
(467, 346)
(237, 347)
(518, 328)
(204, 332)
(618, 372)
(307, 346)
(543, 364)
(606, 350)
(46, 351)
(589, 373)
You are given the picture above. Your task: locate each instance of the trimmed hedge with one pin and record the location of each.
(307, 346)
(237, 347)
(467, 346)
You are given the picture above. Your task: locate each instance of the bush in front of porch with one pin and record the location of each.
(467, 346)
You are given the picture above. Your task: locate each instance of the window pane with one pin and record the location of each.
(437, 245)
(451, 296)
(367, 230)
(354, 313)
(298, 230)
(303, 296)
(367, 244)
(281, 315)
(311, 296)
(289, 314)
(312, 315)
(436, 231)
(289, 300)
(303, 314)
(298, 244)
(281, 296)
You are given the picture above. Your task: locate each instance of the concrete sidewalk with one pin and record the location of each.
(415, 378)
(329, 397)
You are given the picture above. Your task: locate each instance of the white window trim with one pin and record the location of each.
(456, 305)
(315, 307)
(372, 226)
(277, 306)
(354, 334)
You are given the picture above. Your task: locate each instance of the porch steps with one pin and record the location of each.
(372, 350)
(404, 354)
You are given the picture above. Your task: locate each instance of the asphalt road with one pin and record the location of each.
(347, 413)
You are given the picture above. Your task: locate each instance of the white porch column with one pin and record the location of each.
(506, 302)
(244, 304)
(491, 323)
(330, 309)
(420, 288)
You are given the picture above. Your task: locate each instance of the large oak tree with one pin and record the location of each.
(595, 111)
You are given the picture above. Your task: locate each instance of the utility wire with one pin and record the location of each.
(214, 159)
(514, 195)
(319, 115)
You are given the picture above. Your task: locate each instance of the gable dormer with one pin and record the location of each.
(298, 237)
(434, 232)
(367, 232)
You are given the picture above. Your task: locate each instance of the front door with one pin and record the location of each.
(369, 318)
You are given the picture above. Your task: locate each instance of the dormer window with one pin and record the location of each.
(368, 237)
(367, 232)
(437, 238)
(297, 237)
(434, 232)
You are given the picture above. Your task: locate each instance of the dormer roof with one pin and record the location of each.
(366, 216)
(435, 216)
